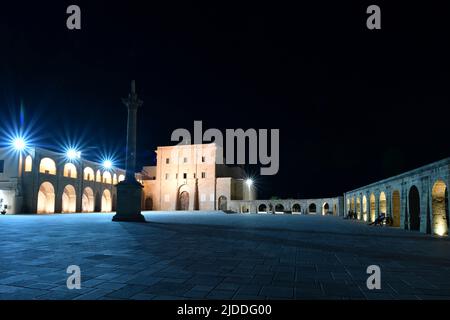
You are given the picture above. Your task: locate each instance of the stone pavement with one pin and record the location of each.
(199, 255)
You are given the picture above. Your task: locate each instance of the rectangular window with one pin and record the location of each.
(203, 175)
(195, 176)
(2, 166)
(184, 175)
(203, 159)
(176, 175)
(211, 197)
(167, 160)
(167, 176)
(185, 160)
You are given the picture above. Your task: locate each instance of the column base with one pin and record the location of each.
(129, 198)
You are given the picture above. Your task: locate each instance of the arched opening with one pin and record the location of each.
(121, 177)
(106, 201)
(28, 164)
(149, 203)
(223, 203)
(348, 205)
(70, 171)
(382, 203)
(69, 199)
(107, 177)
(439, 196)
(88, 174)
(47, 166)
(335, 210)
(358, 208)
(312, 208)
(88, 200)
(296, 208)
(98, 176)
(184, 201)
(262, 208)
(115, 178)
(325, 208)
(414, 209)
(46, 198)
(364, 208)
(396, 208)
(352, 205)
(373, 208)
(279, 208)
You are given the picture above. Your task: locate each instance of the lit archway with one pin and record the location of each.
(121, 177)
(335, 210)
(364, 208)
(352, 205)
(46, 198)
(70, 171)
(296, 208)
(325, 208)
(382, 203)
(115, 178)
(98, 176)
(47, 166)
(373, 208)
(262, 208)
(88, 200)
(414, 209)
(223, 203)
(312, 208)
(439, 196)
(28, 164)
(396, 208)
(88, 174)
(183, 201)
(69, 199)
(279, 208)
(107, 177)
(106, 201)
(358, 208)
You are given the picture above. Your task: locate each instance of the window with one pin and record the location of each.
(28, 164)
(167, 160)
(176, 175)
(167, 176)
(2, 166)
(195, 176)
(184, 175)
(185, 160)
(203, 159)
(203, 175)
(211, 197)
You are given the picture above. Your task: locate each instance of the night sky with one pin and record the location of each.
(353, 106)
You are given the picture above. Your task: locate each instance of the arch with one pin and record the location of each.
(279, 208)
(148, 203)
(373, 208)
(439, 197)
(107, 177)
(262, 208)
(358, 208)
(106, 201)
(28, 164)
(335, 210)
(223, 203)
(47, 166)
(382, 203)
(121, 177)
(70, 171)
(296, 208)
(98, 176)
(364, 208)
(46, 198)
(115, 178)
(183, 201)
(396, 208)
(325, 208)
(69, 199)
(312, 208)
(352, 204)
(414, 208)
(88, 200)
(88, 174)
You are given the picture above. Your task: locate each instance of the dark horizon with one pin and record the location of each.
(353, 106)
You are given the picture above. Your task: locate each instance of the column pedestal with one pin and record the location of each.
(129, 198)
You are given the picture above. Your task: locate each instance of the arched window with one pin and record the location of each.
(107, 177)
(115, 178)
(121, 177)
(98, 176)
(28, 164)
(312, 208)
(70, 171)
(88, 174)
(47, 166)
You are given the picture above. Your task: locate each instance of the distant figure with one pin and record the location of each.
(379, 220)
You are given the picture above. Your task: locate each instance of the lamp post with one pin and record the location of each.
(129, 191)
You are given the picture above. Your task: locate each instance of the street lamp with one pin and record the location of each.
(19, 144)
(249, 183)
(107, 164)
(73, 154)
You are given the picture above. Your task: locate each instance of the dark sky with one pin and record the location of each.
(353, 106)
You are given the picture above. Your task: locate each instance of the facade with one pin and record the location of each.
(416, 200)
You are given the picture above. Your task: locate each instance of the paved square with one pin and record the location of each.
(198, 255)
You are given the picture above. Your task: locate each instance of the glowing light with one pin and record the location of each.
(73, 154)
(249, 182)
(107, 164)
(19, 144)
(440, 230)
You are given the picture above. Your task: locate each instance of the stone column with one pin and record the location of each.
(129, 191)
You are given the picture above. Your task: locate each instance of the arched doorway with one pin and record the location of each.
(223, 203)
(358, 208)
(88, 200)
(325, 208)
(382, 203)
(439, 196)
(184, 201)
(46, 198)
(69, 199)
(279, 208)
(312, 208)
(296, 208)
(364, 208)
(106, 201)
(373, 208)
(148, 203)
(262, 208)
(414, 208)
(396, 208)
